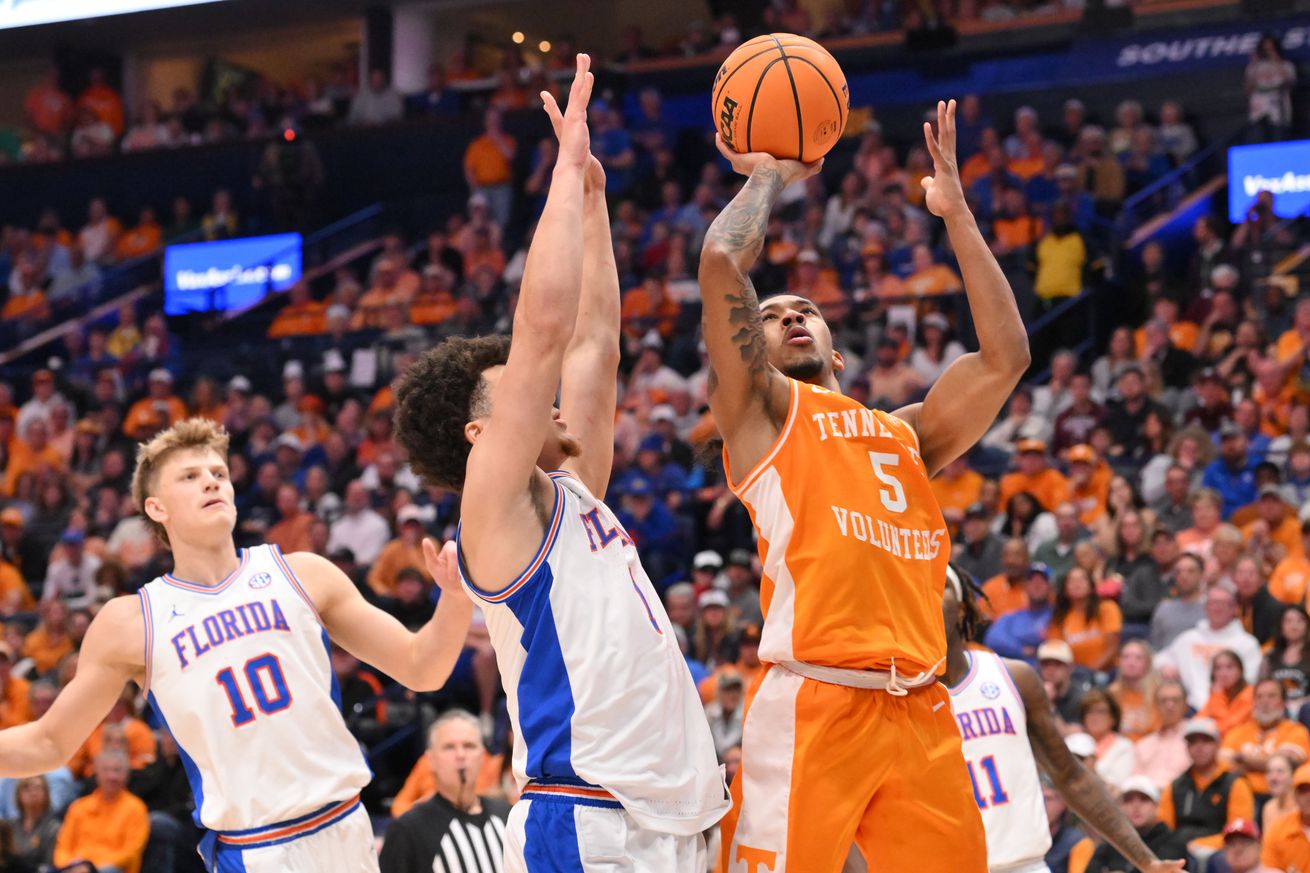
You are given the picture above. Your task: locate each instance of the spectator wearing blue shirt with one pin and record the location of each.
(667, 480)
(1080, 203)
(654, 528)
(438, 101)
(1232, 474)
(1018, 634)
(986, 192)
(1246, 415)
(612, 146)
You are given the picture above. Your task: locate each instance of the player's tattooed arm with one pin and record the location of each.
(1081, 789)
(748, 397)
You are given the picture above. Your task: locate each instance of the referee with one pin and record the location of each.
(455, 831)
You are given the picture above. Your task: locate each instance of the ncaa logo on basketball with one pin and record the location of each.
(825, 131)
(263, 580)
(990, 690)
(726, 117)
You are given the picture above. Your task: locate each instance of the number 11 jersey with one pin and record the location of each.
(241, 675)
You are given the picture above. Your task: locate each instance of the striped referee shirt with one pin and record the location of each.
(435, 836)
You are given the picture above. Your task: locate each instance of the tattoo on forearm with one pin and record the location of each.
(741, 225)
(739, 230)
(1088, 797)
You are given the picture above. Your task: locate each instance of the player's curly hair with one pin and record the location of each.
(440, 393)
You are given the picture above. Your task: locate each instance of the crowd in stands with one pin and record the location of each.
(1137, 518)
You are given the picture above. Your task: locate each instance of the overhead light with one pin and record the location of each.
(544, 46)
(518, 37)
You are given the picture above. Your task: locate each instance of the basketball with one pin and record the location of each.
(782, 94)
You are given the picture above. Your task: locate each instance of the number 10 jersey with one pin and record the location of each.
(241, 675)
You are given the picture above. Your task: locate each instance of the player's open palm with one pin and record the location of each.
(571, 124)
(442, 565)
(945, 194)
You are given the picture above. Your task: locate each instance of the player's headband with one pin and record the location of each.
(953, 579)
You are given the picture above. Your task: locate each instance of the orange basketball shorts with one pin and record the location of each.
(824, 766)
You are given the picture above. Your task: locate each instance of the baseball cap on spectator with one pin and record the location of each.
(410, 512)
(1301, 776)
(652, 340)
(1039, 569)
(651, 443)
(1209, 374)
(1082, 453)
(290, 441)
(739, 558)
(333, 362)
(1240, 827)
(638, 486)
(1142, 785)
(1229, 430)
(1271, 490)
(72, 537)
(1081, 745)
(240, 383)
(89, 425)
(1055, 650)
(713, 597)
(159, 374)
(937, 320)
(293, 370)
(730, 679)
(1031, 445)
(707, 560)
(1204, 727)
(11, 516)
(663, 412)
(975, 510)
(809, 256)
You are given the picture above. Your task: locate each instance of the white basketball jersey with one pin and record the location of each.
(994, 726)
(241, 675)
(598, 691)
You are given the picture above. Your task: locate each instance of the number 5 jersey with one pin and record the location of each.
(241, 675)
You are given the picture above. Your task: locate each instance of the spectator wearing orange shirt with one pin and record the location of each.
(143, 239)
(27, 304)
(1090, 625)
(158, 410)
(978, 165)
(109, 827)
(1248, 746)
(386, 290)
(1231, 698)
(49, 642)
(435, 301)
(103, 101)
(956, 487)
(120, 730)
(15, 700)
(1287, 844)
(1035, 476)
(746, 667)
(931, 279)
(483, 253)
(1293, 341)
(1182, 334)
(1006, 591)
(1089, 483)
(291, 532)
(1275, 521)
(403, 552)
(489, 165)
(1015, 229)
(15, 596)
(649, 307)
(301, 316)
(32, 454)
(48, 107)
(1291, 575)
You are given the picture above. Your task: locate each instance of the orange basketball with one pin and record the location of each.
(782, 94)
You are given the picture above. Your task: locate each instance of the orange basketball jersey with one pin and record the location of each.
(853, 543)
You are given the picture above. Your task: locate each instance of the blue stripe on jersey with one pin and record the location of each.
(550, 843)
(188, 765)
(229, 860)
(332, 674)
(545, 697)
(538, 561)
